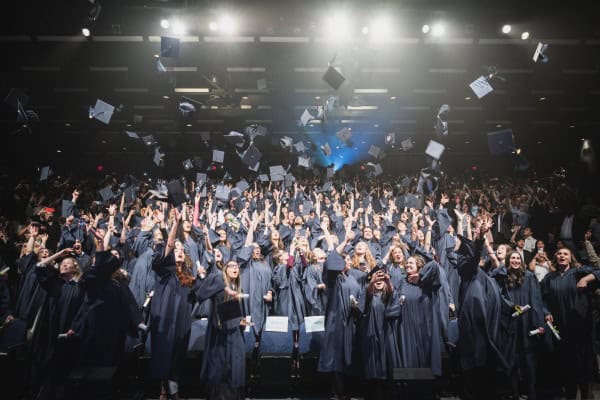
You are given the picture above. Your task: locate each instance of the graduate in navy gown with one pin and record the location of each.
(380, 308)
(521, 288)
(566, 292)
(52, 357)
(315, 289)
(224, 359)
(109, 311)
(342, 309)
(288, 279)
(143, 276)
(256, 278)
(170, 312)
(478, 319)
(421, 329)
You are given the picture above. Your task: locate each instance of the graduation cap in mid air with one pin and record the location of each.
(539, 53)
(333, 76)
(441, 124)
(501, 142)
(101, 111)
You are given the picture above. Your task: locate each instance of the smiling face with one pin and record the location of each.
(411, 266)
(222, 235)
(368, 233)
(501, 252)
(515, 261)
(256, 252)
(157, 235)
(179, 254)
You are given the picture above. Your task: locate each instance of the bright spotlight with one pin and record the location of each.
(525, 35)
(213, 26)
(178, 28)
(506, 29)
(227, 25)
(337, 27)
(85, 32)
(164, 23)
(438, 30)
(425, 29)
(365, 30)
(381, 29)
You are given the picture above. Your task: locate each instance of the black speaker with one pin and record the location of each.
(413, 383)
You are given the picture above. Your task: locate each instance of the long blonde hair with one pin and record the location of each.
(232, 284)
(368, 257)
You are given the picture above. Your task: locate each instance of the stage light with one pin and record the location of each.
(213, 26)
(365, 30)
(381, 29)
(525, 35)
(178, 28)
(85, 32)
(425, 29)
(506, 29)
(438, 29)
(337, 27)
(227, 25)
(165, 24)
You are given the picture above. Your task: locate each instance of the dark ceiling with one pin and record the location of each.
(550, 107)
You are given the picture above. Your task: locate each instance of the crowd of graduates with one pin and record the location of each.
(401, 274)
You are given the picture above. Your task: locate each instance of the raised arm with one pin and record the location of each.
(173, 233)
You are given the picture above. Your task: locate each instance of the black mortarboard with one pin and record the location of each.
(481, 86)
(344, 134)
(251, 156)
(333, 77)
(169, 47)
(263, 178)
(242, 185)
(222, 193)
(200, 178)
(277, 173)
(229, 310)
(327, 187)
(501, 142)
(176, 193)
(106, 194)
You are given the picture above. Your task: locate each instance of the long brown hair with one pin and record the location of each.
(514, 276)
(368, 258)
(184, 272)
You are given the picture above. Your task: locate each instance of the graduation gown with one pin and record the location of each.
(377, 337)
(109, 312)
(316, 300)
(170, 318)
(30, 296)
(224, 359)
(57, 313)
(479, 311)
(572, 313)
(289, 299)
(256, 281)
(338, 339)
(421, 328)
(143, 276)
